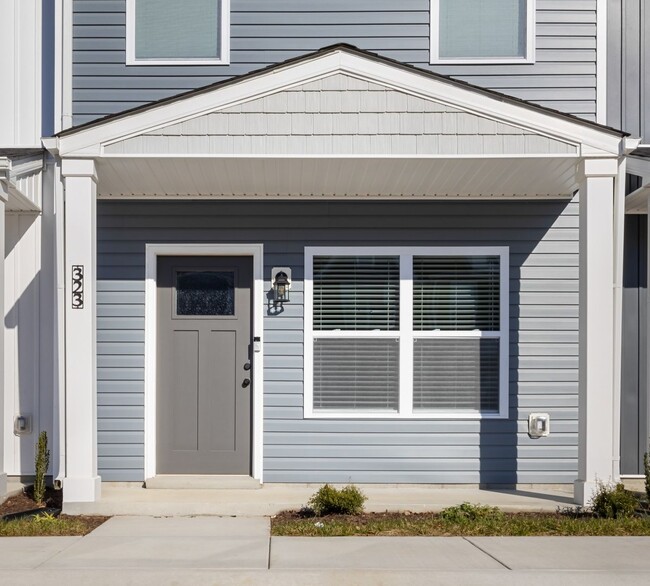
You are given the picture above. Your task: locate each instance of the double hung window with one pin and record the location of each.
(477, 31)
(169, 32)
(406, 332)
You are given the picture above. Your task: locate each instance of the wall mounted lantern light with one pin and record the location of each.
(281, 279)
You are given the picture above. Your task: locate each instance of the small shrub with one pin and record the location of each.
(613, 501)
(469, 512)
(646, 468)
(329, 500)
(41, 464)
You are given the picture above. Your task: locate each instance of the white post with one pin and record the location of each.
(81, 482)
(597, 384)
(3, 476)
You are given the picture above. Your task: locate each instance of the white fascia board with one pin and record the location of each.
(89, 142)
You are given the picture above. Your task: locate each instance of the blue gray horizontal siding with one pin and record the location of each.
(543, 241)
(262, 33)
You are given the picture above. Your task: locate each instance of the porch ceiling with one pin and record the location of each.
(549, 176)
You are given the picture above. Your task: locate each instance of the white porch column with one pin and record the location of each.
(597, 385)
(3, 475)
(81, 482)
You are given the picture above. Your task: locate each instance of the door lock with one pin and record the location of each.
(246, 382)
(247, 366)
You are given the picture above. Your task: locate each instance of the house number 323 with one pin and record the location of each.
(77, 286)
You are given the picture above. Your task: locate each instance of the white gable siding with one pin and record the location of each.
(341, 114)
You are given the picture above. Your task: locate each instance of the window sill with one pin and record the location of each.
(509, 61)
(146, 62)
(429, 415)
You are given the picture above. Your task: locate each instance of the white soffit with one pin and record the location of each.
(331, 177)
(89, 141)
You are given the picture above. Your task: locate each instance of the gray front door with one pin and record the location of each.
(203, 407)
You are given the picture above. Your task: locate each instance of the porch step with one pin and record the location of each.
(200, 481)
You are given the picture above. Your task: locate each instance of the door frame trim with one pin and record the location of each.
(152, 252)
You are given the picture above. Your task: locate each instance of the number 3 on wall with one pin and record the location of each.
(77, 286)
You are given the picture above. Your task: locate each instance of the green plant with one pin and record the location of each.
(329, 500)
(468, 512)
(41, 464)
(45, 519)
(646, 468)
(613, 501)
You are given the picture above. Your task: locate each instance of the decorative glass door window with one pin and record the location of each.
(205, 293)
(406, 332)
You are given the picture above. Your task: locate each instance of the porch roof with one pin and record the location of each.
(340, 122)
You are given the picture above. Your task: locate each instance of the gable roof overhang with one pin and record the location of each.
(128, 165)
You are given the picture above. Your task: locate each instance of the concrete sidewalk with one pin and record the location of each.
(232, 550)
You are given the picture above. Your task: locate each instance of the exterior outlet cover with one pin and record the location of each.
(539, 425)
(22, 425)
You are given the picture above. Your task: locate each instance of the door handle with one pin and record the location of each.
(246, 382)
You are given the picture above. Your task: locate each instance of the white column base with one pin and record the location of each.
(584, 491)
(3, 484)
(82, 490)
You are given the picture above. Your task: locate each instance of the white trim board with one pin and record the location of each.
(224, 48)
(406, 332)
(153, 251)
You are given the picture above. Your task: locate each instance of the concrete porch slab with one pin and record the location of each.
(194, 481)
(120, 499)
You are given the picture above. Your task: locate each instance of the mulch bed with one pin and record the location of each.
(24, 503)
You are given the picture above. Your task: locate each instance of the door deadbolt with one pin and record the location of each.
(247, 366)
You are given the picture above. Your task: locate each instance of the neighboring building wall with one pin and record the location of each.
(263, 32)
(628, 67)
(29, 375)
(20, 63)
(543, 241)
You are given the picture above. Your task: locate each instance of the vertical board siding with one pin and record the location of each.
(263, 33)
(628, 68)
(543, 241)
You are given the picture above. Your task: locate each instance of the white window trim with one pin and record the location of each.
(224, 50)
(434, 35)
(406, 330)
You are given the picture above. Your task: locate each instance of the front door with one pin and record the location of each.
(204, 388)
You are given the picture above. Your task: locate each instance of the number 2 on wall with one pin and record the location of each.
(77, 286)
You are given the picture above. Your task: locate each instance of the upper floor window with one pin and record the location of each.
(169, 32)
(479, 31)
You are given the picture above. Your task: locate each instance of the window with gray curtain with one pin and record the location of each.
(169, 29)
(482, 29)
(453, 339)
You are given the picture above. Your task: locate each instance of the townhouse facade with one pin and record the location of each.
(369, 242)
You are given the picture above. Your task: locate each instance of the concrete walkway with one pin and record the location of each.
(239, 551)
(125, 499)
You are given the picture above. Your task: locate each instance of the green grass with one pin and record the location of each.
(429, 524)
(47, 525)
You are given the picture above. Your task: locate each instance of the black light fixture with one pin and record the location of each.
(281, 284)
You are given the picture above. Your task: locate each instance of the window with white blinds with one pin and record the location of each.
(482, 30)
(406, 332)
(172, 32)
